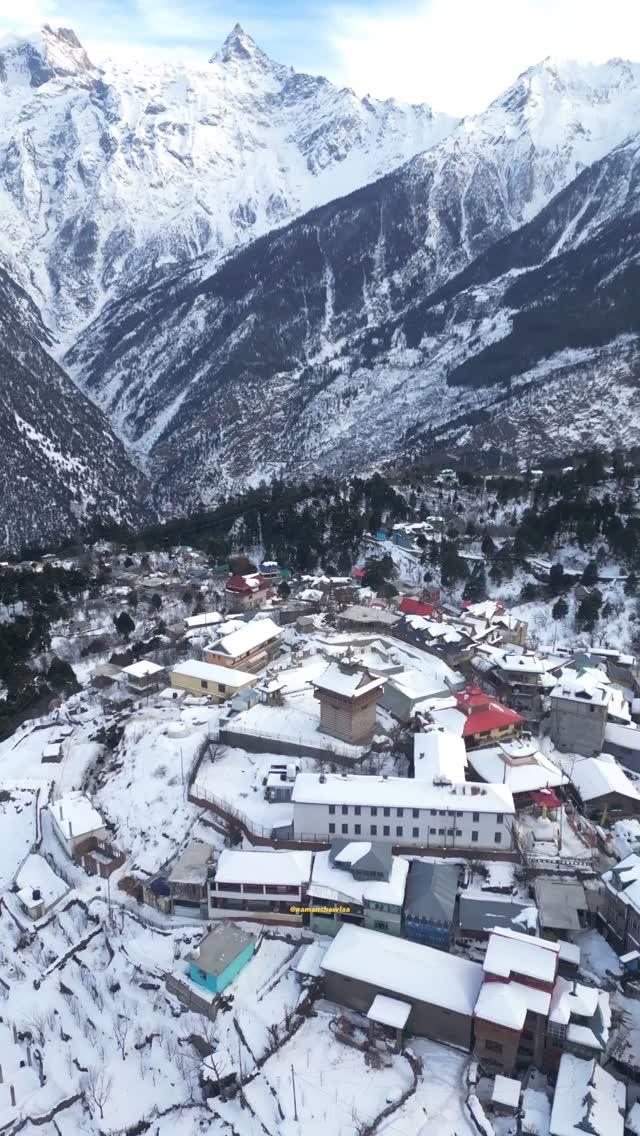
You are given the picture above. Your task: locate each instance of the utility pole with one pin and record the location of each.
(293, 1086)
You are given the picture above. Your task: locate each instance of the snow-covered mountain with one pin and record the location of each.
(109, 177)
(343, 338)
(61, 464)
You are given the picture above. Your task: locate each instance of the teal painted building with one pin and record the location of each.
(220, 957)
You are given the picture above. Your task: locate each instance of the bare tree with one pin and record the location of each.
(121, 1032)
(96, 1086)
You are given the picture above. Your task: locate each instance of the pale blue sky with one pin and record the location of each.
(454, 54)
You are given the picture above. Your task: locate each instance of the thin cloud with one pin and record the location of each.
(460, 54)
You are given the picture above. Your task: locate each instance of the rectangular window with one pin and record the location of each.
(474, 836)
(433, 813)
(399, 812)
(332, 810)
(386, 812)
(373, 831)
(493, 1046)
(432, 832)
(357, 829)
(449, 832)
(345, 810)
(332, 828)
(222, 688)
(499, 818)
(415, 832)
(357, 810)
(458, 832)
(345, 829)
(476, 818)
(416, 813)
(204, 684)
(442, 813)
(374, 811)
(498, 838)
(399, 830)
(385, 830)
(441, 832)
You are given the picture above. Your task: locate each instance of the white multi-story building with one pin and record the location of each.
(405, 812)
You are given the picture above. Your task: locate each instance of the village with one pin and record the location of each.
(292, 849)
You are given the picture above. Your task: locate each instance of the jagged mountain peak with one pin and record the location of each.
(240, 48)
(50, 52)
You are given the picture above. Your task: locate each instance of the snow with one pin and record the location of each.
(75, 816)
(597, 959)
(389, 1011)
(18, 807)
(508, 1003)
(353, 852)
(585, 1093)
(536, 1113)
(247, 638)
(409, 969)
(627, 736)
(596, 777)
(337, 884)
(440, 755)
(142, 668)
(506, 1091)
(346, 681)
(211, 672)
(204, 619)
(518, 764)
(509, 952)
(354, 789)
(257, 866)
(36, 873)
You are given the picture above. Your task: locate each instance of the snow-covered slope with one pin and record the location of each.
(109, 177)
(61, 464)
(330, 343)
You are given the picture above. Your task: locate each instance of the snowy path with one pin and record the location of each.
(437, 1106)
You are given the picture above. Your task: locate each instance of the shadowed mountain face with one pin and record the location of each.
(350, 337)
(61, 463)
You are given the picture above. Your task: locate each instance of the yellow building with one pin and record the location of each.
(201, 678)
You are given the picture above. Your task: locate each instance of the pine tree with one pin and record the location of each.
(560, 608)
(124, 624)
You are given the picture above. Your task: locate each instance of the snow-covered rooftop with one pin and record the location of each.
(596, 777)
(440, 755)
(204, 619)
(402, 792)
(211, 672)
(75, 816)
(142, 668)
(415, 972)
(506, 1091)
(389, 1011)
(509, 952)
(36, 874)
(338, 885)
(587, 1099)
(247, 638)
(349, 681)
(508, 1003)
(517, 763)
(263, 866)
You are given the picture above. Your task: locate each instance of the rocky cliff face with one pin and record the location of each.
(61, 464)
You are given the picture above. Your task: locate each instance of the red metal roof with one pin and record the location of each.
(358, 573)
(484, 712)
(546, 798)
(410, 606)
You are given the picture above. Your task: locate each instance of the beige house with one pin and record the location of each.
(218, 682)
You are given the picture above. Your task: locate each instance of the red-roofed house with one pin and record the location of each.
(242, 592)
(485, 717)
(409, 606)
(358, 573)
